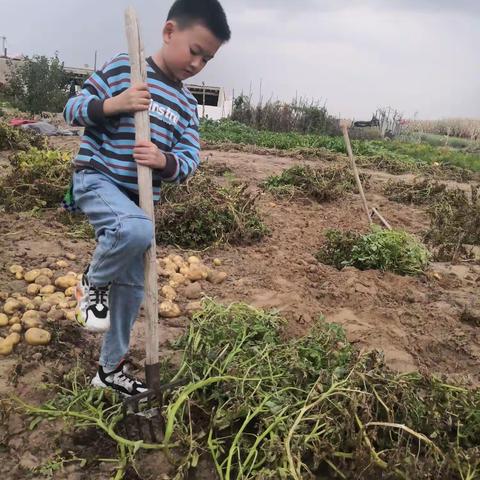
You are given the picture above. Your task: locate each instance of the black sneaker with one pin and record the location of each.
(92, 311)
(119, 380)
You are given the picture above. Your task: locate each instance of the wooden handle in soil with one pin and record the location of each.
(355, 172)
(142, 132)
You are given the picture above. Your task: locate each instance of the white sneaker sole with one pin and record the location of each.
(101, 327)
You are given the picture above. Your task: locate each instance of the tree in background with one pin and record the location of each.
(38, 84)
(300, 115)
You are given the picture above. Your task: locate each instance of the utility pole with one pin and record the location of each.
(4, 46)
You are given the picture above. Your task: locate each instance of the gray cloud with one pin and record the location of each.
(432, 6)
(355, 54)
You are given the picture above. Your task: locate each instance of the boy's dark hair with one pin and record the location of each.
(207, 12)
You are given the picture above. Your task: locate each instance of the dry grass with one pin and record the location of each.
(453, 127)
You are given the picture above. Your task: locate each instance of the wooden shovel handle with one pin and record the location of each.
(355, 172)
(142, 132)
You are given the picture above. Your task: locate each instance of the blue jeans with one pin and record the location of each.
(123, 233)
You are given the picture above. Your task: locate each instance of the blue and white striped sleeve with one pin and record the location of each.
(86, 108)
(184, 158)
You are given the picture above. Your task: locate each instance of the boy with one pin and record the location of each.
(105, 179)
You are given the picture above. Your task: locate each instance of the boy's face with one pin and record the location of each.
(187, 51)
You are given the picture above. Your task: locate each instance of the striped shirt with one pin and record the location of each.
(107, 143)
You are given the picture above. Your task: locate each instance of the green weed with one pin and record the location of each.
(199, 214)
(14, 138)
(393, 156)
(320, 184)
(38, 179)
(454, 223)
(266, 407)
(390, 250)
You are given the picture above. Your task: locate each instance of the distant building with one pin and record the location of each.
(212, 101)
(79, 75)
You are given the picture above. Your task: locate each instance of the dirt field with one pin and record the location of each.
(416, 322)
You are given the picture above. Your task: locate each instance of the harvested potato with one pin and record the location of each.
(31, 319)
(70, 256)
(19, 276)
(162, 272)
(72, 274)
(30, 306)
(32, 275)
(6, 348)
(178, 260)
(72, 304)
(15, 269)
(47, 272)
(45, 307)
(3, 296)
(55, 315)
(15, 319)
(176, 280)
(184, 270)
(15, 295)
(37, 336)
(16, 328)
(3, 320)
(47, 290)
(34, 289)
(24, 300)
(61, 264)
(14, 338)
(43, 280)
(217, 262)
(169, 309)
(66, 281)
(168, 292)
(197, 272)
(193, 259)
(55, 298)
(11, 306)
(193, 291)
(193, 307)
(171, 267)
(216, 277)
(70, 292)
(70, 315)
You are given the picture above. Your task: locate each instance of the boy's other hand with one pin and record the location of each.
(133, 99)
(147, 154)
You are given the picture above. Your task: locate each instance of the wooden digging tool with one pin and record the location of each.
(142, 132)
(355, 171)
(359, 182)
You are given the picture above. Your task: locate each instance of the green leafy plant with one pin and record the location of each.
(300, 115)
(266, 407)
(393, 156)
(200, 213)
(454, 223)
(38, 179)
(13, 138)
(418, 193)
(391, 250)
(37, 84)
(320, 184)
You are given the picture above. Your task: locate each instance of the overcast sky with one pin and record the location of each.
(415, 55)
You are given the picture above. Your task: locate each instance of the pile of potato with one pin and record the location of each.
(185, 275)
(48, 298)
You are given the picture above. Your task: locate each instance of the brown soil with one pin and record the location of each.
(417, 322)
